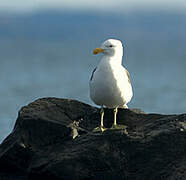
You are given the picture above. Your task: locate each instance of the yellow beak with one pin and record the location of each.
(98, 50)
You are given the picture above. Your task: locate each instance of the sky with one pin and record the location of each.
(100, 5)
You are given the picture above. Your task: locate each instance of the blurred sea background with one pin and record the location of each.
(46, 51)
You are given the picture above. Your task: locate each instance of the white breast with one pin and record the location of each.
(110, 85)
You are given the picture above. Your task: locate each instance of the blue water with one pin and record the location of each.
(32, 68)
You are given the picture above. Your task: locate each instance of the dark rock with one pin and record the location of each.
(53, 139)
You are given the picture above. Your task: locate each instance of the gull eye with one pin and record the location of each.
(111, 45)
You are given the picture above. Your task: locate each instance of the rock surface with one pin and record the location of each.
(53, 139)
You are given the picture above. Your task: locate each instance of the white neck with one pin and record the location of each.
(115, 59)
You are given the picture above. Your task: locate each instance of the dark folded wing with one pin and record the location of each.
(93, 74)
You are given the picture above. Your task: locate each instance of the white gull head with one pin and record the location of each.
(112, 48)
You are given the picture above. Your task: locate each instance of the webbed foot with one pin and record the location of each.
(99, 129)
(119, 127)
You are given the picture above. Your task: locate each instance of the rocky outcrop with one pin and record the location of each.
(53, 139)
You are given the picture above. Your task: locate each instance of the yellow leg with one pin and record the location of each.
(101, 127)
(115, 115)
(115, 126)
(102, 115)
